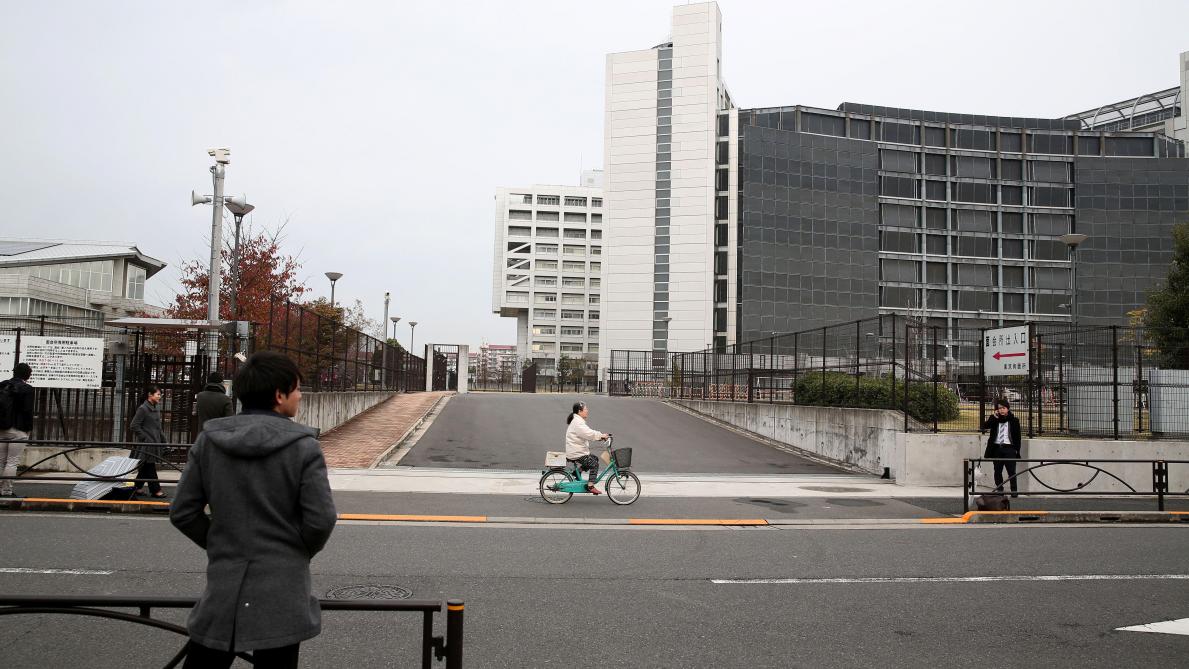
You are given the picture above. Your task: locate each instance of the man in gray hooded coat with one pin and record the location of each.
(264, 478)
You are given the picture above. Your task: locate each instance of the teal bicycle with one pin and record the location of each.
(559, 483)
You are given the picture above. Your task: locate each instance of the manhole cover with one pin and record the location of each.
(370, 592)
(832, 488)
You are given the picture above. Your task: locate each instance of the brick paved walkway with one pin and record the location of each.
(358, 442)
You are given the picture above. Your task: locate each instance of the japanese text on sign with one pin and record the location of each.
(64, 362)
(1005, 351)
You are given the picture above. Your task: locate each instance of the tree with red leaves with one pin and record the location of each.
(265, 274)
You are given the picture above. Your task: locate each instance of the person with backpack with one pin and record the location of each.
(213, 401)
(263, 479)
(16, 422)
(146, 428)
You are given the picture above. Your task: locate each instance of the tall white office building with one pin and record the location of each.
(549, 269)
(662, 107)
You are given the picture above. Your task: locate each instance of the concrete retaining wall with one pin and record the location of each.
(327, 411)
(324, 411)
(872, 439)
(864, 438)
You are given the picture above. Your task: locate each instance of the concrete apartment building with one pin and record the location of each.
(73, 279)
(548, 270)
(727, 224)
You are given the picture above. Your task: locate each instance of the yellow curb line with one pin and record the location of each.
(414, 518)
(969, 516)
(697, 521)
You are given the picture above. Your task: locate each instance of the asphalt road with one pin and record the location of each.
(548, 596)
(513, 431)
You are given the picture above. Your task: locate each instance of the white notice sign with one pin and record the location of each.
(64, 362)
(8, 356)
(1005, 351)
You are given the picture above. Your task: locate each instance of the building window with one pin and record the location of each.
(976, 247)
(544, 313)
(546, 281)
(520, 215)
(571, 331)
(547, 249)
(1043, 196)
(575, 234)
(975, 220)
(596, 234)
(593, 299)
(1049, 170)
(974, 167)
(898, 187)
(897, 161)
(596, 201)
(896, 215)
(548, 216)
(136, 279)
(544, 329)
(545, 298)
(571, 315)
(513, 297)
(1053, 144)
(574, 250)
(519, 231)
(1050, 224)
(572, 217)
(572, 201)
(546, 264)
(548, 233)
(901, 242)
(551, 200)
(974, 192)
(573, 282)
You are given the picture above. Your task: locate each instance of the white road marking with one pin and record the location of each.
(1167, 627)
(953, 579)
(76, 572)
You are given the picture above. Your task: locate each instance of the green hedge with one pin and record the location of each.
(837, 389)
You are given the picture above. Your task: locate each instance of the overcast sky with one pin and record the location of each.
(380, 130)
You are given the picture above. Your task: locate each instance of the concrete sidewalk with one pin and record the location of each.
(365, 439)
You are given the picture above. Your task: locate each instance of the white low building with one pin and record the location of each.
(73, 279)
(548, 271)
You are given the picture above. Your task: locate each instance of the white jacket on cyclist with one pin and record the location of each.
(578, 438)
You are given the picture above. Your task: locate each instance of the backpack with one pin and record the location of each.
(8, 405)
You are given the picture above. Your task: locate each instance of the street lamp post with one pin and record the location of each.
(1073, 240)
(412, 331)
(395, 320)
(334, 277)
(384, 354)
(237, 210)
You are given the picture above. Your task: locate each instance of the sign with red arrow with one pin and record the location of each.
(1005, 351)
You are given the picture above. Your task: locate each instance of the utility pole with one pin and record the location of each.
(214, 278)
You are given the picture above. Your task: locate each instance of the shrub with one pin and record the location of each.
(836, 389)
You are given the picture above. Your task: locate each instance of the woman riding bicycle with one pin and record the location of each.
(578, 438)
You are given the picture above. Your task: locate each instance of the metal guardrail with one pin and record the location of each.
(1159, 482)
(446, 647)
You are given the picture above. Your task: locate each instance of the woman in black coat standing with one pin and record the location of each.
(1003, 442)
(146, 429)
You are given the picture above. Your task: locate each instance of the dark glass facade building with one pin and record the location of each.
(960, 219)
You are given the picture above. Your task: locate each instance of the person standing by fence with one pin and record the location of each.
(1004, 441)
(213, 401)
(146, 428)
(16, 422)
(264, 479)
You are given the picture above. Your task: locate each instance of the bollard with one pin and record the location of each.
(454, 612)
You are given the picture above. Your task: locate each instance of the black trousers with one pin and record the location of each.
(201, 657)
(148, 470)
(1006, 452)
(588, 463)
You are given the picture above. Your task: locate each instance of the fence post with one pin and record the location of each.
(272, 302)
(317, 348)
(1061, 385)
(1040, 386)
(454, 613)
(1140, 388)
(893, 407)
(982, 376)
(907, 352)
(796, 363)
(858, 351)
(771, 369)
(934, 329)
(823, 361)
(750, 373)
(1115, 375)
(1029, 386)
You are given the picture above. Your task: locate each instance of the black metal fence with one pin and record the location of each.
(1093, 382)
(178, 359)
(335, 357)
(139, 610)
(507, 373)
(1091, 478)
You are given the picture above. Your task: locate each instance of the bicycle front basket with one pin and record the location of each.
(623, 457)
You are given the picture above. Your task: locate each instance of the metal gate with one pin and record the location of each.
(528, 379)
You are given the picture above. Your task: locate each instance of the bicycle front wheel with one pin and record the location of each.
(548, 486)
(622, 488)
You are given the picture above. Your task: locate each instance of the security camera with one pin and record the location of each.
(220, 155)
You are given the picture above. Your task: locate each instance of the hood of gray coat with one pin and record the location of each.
(254, 435)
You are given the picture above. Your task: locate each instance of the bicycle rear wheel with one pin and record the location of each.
(548, 486)
(622, 488)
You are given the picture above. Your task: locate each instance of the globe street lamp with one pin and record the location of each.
(238, 209)
(334, 277)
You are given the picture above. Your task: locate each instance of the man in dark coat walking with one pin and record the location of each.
(146, 428)
(264, 479)
(213, 401)
(1003, 442)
